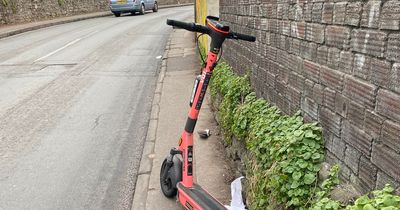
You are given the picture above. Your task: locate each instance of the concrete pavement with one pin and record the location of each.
(170, 105)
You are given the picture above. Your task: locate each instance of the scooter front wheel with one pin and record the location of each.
(168, 179)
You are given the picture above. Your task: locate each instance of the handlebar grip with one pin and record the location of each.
(242, 37)
(188, 26)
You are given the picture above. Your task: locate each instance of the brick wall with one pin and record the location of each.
(339, 62)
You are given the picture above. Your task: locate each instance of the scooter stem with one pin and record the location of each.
(186, 142)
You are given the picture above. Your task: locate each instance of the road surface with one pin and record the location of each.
(75, 103)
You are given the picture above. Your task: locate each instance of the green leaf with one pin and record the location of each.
(368, 207)
(296, 175)
(316, 156)
(309, 178)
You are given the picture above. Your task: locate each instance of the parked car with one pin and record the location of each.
(132, 6)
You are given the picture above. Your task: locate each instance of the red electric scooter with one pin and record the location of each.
(176, 176)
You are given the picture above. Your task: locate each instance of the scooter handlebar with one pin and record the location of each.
(205, 30)
(188, 26)
(234, 35)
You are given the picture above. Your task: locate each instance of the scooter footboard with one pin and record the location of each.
(196, 198)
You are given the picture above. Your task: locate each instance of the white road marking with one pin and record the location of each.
(65, 46)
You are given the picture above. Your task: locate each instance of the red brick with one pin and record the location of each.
(390, 17)
(311, 70)
(331, 78)
(309, 50)
(308, 8)
(337, 36)
(387, 160)
(388, 104)
(330, 121)
(360, 91)
(357, 138)
(296, 81)
(371, 13)
(391, 135)
(368, 42)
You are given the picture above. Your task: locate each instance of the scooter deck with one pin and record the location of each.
(202, 198)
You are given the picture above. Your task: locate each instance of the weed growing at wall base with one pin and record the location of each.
(285, 153)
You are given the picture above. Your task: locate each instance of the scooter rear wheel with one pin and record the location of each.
(167, 183)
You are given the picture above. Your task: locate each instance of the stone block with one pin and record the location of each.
(383, 179)
(341, 104)
(337, 36)
(355, 114)
(310, 107)
(318, 93)
(322, 55)
(393, 47)
(367, 172)
(391, 135)
(327, 12)
(394, 83)
(357, 138)
(387, 160)
(316, 15)
(311, 70)
(361, 66)
(388, 104)
(298, 30)
(368, 42)
(373, 124)
(309, 50)
(329, 98)
(339, 13)
(285, 27)
(315, 32)
(390, 16)
(346, 62)
(371, 13)
(380, 71)
(333, 58)
(360, 91)
(331, 78)
(330, 121)
(353, 13)
(308, 9)
(352, 158)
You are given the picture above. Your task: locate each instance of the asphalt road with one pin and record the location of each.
(75, 103)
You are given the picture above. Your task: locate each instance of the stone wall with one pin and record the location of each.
(20, 11)
(337, 61)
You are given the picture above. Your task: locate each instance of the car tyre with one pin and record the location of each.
(117, 14)
(141, 10)
(155, 8)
